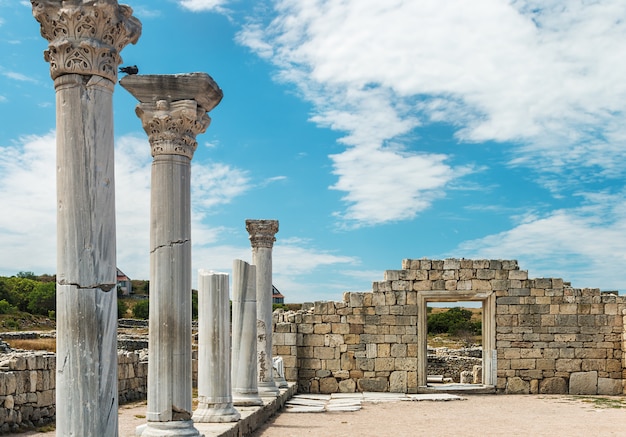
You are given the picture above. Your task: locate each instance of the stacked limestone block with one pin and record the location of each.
(132, 372)
(552, 338)
(27, 382)
(347, 347)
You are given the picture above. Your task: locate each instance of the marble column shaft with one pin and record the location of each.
(262, 239)
(244, 353)
(173, 110)
(85, 41)
(215, 401)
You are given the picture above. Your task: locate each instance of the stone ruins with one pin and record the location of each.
(539, 335)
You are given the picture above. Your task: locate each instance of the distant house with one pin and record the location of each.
(123, 283)
(276, 296)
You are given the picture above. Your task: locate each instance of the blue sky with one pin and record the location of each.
(373, 131)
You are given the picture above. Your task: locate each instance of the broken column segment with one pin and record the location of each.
(215, 401)
(244, 356)
(173, 110)
(86, 39)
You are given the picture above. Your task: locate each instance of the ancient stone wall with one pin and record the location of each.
(539, 335)
(27, 386)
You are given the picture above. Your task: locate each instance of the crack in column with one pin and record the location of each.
(104, 287)
(171, 244)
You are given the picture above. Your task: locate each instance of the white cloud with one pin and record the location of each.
(216, 183)
(203, 5)
(292, 260)
(28, 197)
(27, 190)
(583, 245)
(19, 77)
(386, 185)
(144, 12)
(545, 75)
(3, 99)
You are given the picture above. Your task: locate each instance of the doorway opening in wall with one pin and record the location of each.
(454, 341)
(456, 332)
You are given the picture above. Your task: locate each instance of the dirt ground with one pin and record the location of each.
(478, 415)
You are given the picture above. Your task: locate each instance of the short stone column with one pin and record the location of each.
(215, 401)
(86, 39)
(173, 111)
(262, 239)
(244, 357)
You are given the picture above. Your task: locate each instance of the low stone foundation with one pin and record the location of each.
(27, 386)
(450, 363)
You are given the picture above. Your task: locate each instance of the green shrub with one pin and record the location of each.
(141, 310)
(122, 307)
(6, 307)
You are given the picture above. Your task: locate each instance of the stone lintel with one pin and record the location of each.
(174, 87)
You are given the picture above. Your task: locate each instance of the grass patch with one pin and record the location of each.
(602, 402)
(450, 341)
(140, 416)
(34, 344)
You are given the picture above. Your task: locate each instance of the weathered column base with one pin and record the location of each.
(216, 413)
(268, 389)
(175, 428)
(241, 399)
(281, 382)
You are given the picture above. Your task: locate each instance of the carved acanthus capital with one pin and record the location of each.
(262, 232)
(172, 126)
(85, 37)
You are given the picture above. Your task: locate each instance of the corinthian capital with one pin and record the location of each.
(86, 37)
(262, 232)
(172, 126)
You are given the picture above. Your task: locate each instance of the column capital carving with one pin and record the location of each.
(85, 37)
(172, 126)
(262, 232)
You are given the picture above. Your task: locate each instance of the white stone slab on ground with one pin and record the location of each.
(344, 402)
(434, 397)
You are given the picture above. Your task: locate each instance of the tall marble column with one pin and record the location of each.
(262, 239)
(173, 110)
(215, 401)
(244, 356)
(86, 39)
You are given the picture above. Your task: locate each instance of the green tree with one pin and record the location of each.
(26, 275)
(141, 310)
(452, 321)
(19, 290)
(42, 299)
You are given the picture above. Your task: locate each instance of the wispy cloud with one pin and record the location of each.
(580, 244)
(27, 191)
(386, 185)
(19, 77)
(543, 76)
(143, 11)
(203, 5)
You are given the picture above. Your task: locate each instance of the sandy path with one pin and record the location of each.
(478, 415)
